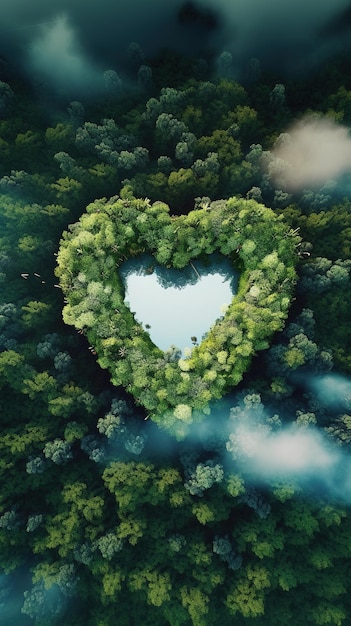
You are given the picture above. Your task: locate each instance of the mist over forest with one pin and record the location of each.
(75, 39)
(140, 485)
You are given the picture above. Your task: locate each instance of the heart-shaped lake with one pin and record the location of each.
(174, 390)
(177, 307)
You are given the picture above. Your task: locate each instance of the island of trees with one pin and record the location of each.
(171, 388)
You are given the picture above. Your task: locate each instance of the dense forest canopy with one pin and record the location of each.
(138, 486)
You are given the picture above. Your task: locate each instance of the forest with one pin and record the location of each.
(139, 486)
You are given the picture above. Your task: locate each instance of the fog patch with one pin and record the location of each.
(310, 153)
(291, 453)
(56, 56)
(332, 390)
(269, 452)
(12, 587)
(302, 457)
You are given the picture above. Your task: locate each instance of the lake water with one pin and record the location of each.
(178, 304)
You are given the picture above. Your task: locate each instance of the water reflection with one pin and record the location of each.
(175, 306)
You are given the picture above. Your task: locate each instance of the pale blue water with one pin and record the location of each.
(178, 304)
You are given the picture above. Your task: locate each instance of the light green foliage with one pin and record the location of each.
(79, 519)
(35, 313)
(10, 367)
(183, 412)
(134, 483)
(203, 512)
(247, 597)
(41, 383)
(235, 485)
(196, 603)
(112, 584)
(156, 585)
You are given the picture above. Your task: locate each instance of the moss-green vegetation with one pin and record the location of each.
(174, 390)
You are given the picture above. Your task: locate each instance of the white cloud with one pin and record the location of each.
(290, 452)
(313, 151)
(332, 390)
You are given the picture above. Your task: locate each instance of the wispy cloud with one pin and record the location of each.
(332, 390)
(288, 453)
(267, 451)
(56, 56)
